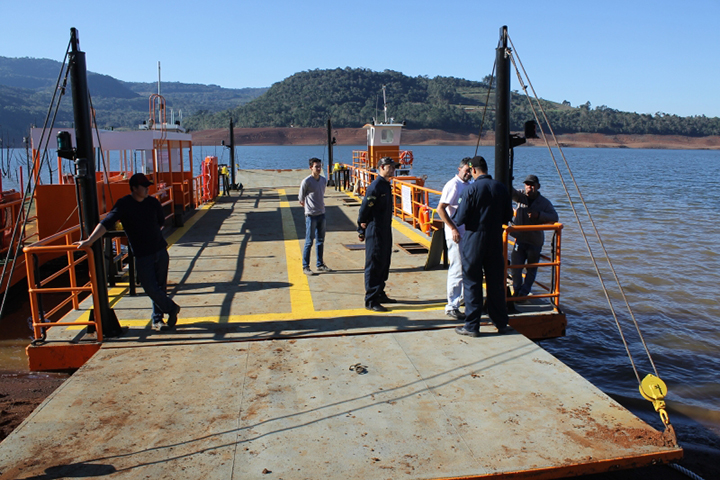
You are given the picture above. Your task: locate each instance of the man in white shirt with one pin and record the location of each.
(451, 193)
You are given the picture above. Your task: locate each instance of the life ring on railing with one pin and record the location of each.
(424, 216)
(363, 158)
(406, 157)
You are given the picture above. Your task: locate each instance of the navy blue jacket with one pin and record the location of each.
(484, 206)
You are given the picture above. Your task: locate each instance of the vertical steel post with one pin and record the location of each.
(502, 111)
(85, 169)
(232, 155)
(330, 149)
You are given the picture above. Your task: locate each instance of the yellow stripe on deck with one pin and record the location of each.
(300, 296)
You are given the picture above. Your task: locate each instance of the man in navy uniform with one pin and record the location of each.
(483, 209)
(142, 217)
(375, 228)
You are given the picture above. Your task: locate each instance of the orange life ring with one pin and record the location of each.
(406, 157)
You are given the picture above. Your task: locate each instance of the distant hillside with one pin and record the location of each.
(27, 85)
(352, 97)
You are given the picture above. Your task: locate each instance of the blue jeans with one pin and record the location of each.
(524, 253)
(314, 227)
(152, 271)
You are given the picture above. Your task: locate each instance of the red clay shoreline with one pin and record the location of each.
(357, 136)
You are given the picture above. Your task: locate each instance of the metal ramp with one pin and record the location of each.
(256, 381)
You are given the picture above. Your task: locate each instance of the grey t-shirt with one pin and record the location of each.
(312, 194)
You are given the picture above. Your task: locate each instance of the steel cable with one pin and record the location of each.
(513, 55)
(26, 214)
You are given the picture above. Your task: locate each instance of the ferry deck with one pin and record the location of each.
(274, 374)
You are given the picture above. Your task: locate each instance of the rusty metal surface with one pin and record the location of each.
(256, 381)
(429, 405)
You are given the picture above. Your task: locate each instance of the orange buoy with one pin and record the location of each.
(424, 219)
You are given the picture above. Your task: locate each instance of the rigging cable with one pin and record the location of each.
(487, 99)
(102, 156)
(653, 385)
(26, 215)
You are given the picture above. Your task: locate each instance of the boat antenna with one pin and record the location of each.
(384, 104)
(158, 77)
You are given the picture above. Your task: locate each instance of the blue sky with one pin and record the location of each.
(637, 56)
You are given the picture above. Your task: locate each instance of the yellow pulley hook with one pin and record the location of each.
(654, 390)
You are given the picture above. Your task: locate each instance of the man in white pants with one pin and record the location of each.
(451, 193)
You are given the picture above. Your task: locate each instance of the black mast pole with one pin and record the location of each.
(502, 111)
(85, 176)
(232, 155)
(330, 151)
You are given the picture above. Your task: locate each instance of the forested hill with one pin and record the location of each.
(351, 97)
(27, 85)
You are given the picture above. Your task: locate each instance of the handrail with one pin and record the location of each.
(554, 261)
(35, 288)
(419, 198)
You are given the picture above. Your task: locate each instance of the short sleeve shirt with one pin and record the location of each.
(451, 193)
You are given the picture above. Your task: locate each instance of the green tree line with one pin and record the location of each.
(352, 97)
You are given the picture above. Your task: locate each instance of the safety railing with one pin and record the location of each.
(160, 194)
(411, 203)
(197, 192)
(552, 261)
(62, 242)
(187, 197)
(361, 158)
(37, 287)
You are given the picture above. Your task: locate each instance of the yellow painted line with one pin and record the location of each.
(411, 233)
(114, 296)
(290, 316)
(178, 233)
(300, 296)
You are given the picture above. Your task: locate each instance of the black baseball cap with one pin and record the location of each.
(139, 179)
(387, 161)
(532, 179)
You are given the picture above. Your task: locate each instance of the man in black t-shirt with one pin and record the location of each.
(142, 218)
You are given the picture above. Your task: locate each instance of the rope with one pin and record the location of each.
(16, 230)
(597, 233)
(487, 99)
(685, 471)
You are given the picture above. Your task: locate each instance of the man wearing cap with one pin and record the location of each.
(451, 193)
(375, 228)
(532, 209)
(142, 217)
(312, 199)
(483, 209)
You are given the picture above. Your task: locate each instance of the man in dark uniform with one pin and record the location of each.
(484, 207)
(142, 217)
(375, 228)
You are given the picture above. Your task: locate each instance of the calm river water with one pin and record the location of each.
(653, 211)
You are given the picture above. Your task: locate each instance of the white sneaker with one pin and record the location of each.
(160, 326)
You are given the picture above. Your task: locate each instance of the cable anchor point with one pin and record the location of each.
(654, 390)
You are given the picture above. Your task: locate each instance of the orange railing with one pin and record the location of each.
(412, 205)
(37, 287)
(553, 261)
(62, 242)
(411, 202)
